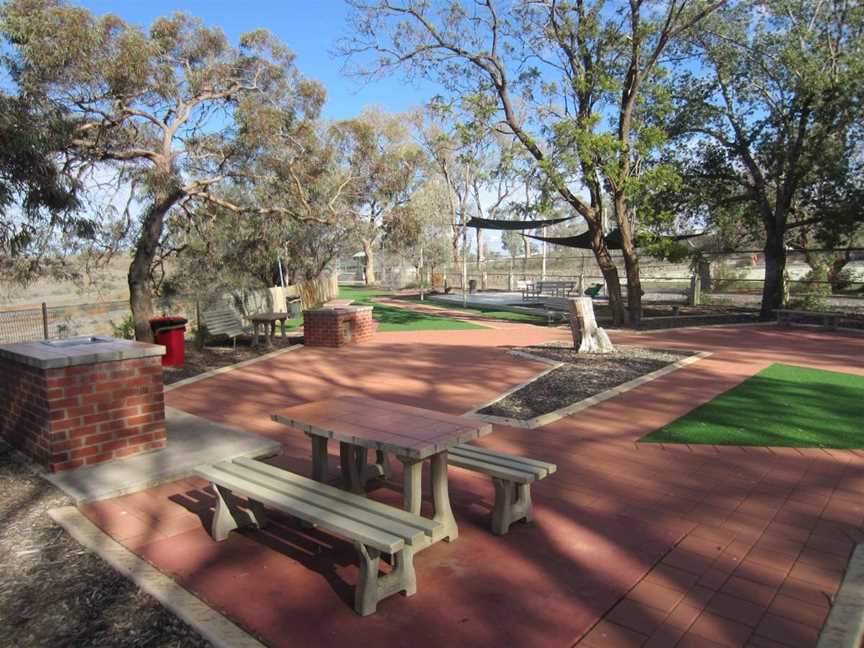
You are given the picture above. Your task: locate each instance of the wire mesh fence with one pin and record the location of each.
(24, 325)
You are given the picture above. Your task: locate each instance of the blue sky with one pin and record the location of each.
(310, 28)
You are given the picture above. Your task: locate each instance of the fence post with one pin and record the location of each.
(45, 320)
(695, 290)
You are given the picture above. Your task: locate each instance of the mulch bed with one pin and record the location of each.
(53, 592)
(583, 375)
(211, 357)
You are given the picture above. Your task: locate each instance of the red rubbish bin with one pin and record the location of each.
(170, 333)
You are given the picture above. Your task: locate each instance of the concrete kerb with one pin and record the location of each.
(210, 624)
(844, 627)
(239, 365)
(551, 417)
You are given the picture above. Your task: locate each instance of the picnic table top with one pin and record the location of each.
(382, 425)
(268, 317)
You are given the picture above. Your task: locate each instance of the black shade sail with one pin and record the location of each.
(613, 239)
(490, 223)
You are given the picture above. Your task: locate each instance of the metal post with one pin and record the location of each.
(695, 290)
(420, 278)
(543, 266)
(45, 320)
(464, 267)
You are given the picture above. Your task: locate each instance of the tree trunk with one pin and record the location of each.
(140, 297)
(634, 284)
(369, 261)
(835, 278)
(775, 272)
(610, 273)
(587, 336)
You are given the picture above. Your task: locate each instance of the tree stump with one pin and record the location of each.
(587, 336)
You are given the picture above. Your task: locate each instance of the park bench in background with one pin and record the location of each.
(220, 319)
(374, 528)
(512, 477)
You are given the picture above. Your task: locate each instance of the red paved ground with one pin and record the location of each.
(663, 545)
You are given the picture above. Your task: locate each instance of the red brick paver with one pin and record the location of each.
(656, 545)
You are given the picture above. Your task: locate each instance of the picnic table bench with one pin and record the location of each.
(373, 527)
(512, 477)
(550, 288)
(785, 316)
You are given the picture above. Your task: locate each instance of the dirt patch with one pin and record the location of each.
(582, 375)
(211, 357)
(53, 592)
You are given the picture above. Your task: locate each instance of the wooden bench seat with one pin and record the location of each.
(512, 477)
(375, 528)
(221, 319)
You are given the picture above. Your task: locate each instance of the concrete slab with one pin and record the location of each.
(192, 441)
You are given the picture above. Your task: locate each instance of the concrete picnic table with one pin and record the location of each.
(262, 319)
(412, 434)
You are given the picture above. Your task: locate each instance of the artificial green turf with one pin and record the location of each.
(783, 405)
(401, 319)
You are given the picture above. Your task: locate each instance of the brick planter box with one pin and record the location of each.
(74, 406)
(335, 327)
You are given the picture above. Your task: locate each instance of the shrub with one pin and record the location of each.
(125, 329)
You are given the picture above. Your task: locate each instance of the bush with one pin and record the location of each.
(809, 302)
(125, 329)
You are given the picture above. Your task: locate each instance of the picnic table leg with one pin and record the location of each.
(282, 326)
(383, 460)
(412, 489)
(224, 521)
(319, 458)
(348, 459)
(441, 497)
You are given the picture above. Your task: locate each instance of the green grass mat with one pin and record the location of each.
(783, 405)
(401, 319)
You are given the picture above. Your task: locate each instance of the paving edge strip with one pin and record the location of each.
(551, 417)
(210, 624)
(845, 625)
(232, 367)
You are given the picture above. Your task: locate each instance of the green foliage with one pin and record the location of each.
(125, 329)
(769, 140)
(38, 203)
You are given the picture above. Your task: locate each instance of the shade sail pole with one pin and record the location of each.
(464, 266)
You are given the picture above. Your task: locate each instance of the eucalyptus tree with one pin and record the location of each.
(419, 231)
(386, 167)
(555, 72)
(39, 205)
(774, 117)
(177, 110)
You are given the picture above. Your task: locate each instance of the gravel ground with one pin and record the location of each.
(199, 361)
(53, 592)
(583, 375)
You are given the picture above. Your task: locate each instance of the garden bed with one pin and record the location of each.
(580, 376)
(199, 361)
(53, 592)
